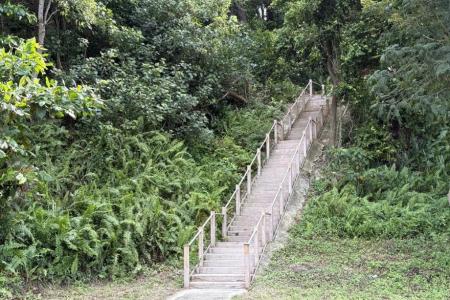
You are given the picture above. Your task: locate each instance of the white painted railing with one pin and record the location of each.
(243, 190)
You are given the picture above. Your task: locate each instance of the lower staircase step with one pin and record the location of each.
(223, 263)
(217, 285)
(222, 270)
(218, 277)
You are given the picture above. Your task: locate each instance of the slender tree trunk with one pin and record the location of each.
(41, 22)
(239, 12)
(334, 70)
(58, 50)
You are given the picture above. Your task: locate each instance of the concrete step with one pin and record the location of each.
(259, 204)
(240, 228)
(224, 262)
(227, 256)
(247, 233)
(238, 238)
(218, 277)
(217, 285)
(228, 244)
(222, 270)
(225, 250)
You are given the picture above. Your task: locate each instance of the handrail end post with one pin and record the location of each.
(310, 88)
(213, 228)
(275, 131)
(186, 266)
(246, 265)
(238, 199)
(224, 222)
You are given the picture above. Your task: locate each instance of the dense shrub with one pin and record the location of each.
(391, 212)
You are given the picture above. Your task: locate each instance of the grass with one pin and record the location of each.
(323, 268)
(156, 283)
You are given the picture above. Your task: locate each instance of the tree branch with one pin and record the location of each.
(51, 15)
(47, 9)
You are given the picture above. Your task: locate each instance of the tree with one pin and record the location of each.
(24, 101)
(315, 27)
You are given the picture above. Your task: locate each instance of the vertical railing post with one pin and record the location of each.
(246, 265)
(290, 180)
(249, 180)
(264, 229)
(275, 131)
(310, 88)
(200, 246)
(224, 222)
(281, 203)
(323, 90)
(238, 200)
(267, 146)
(271, 224)
(315, 127)
(213, 228)
(256, 246)
(310, 129)
(258, 158)
(305, 143)
(289, 121)
(186, 266)
(328, 105)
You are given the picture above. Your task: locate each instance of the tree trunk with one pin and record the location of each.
(239, 12)
(41, 22)
(58, 50)
(334, 70)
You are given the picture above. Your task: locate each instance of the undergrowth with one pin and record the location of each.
(116, 198)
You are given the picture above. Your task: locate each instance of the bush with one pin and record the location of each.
(379, 203)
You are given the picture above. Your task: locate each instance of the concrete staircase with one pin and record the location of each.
(227, 263)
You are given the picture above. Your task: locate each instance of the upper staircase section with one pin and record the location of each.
(250, 218)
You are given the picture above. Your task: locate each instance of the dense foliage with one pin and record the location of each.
(118, 132)
(391, 177)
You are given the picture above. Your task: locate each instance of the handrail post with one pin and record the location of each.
(246, 265)
(186, 266)
(213, 228)
(290, 181)
(323, 90)
(200, 246)
(264, 230)
(238, 200)
(224, 222)
(305, 143)
(271, 224)
(328, 106)
(289, 121)
(249, 179)
(258, 158)
(256, 246)
(275, 131)
(310, 88)
(267, 146)
(315, 128)
(281, 206)
(311, 129)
